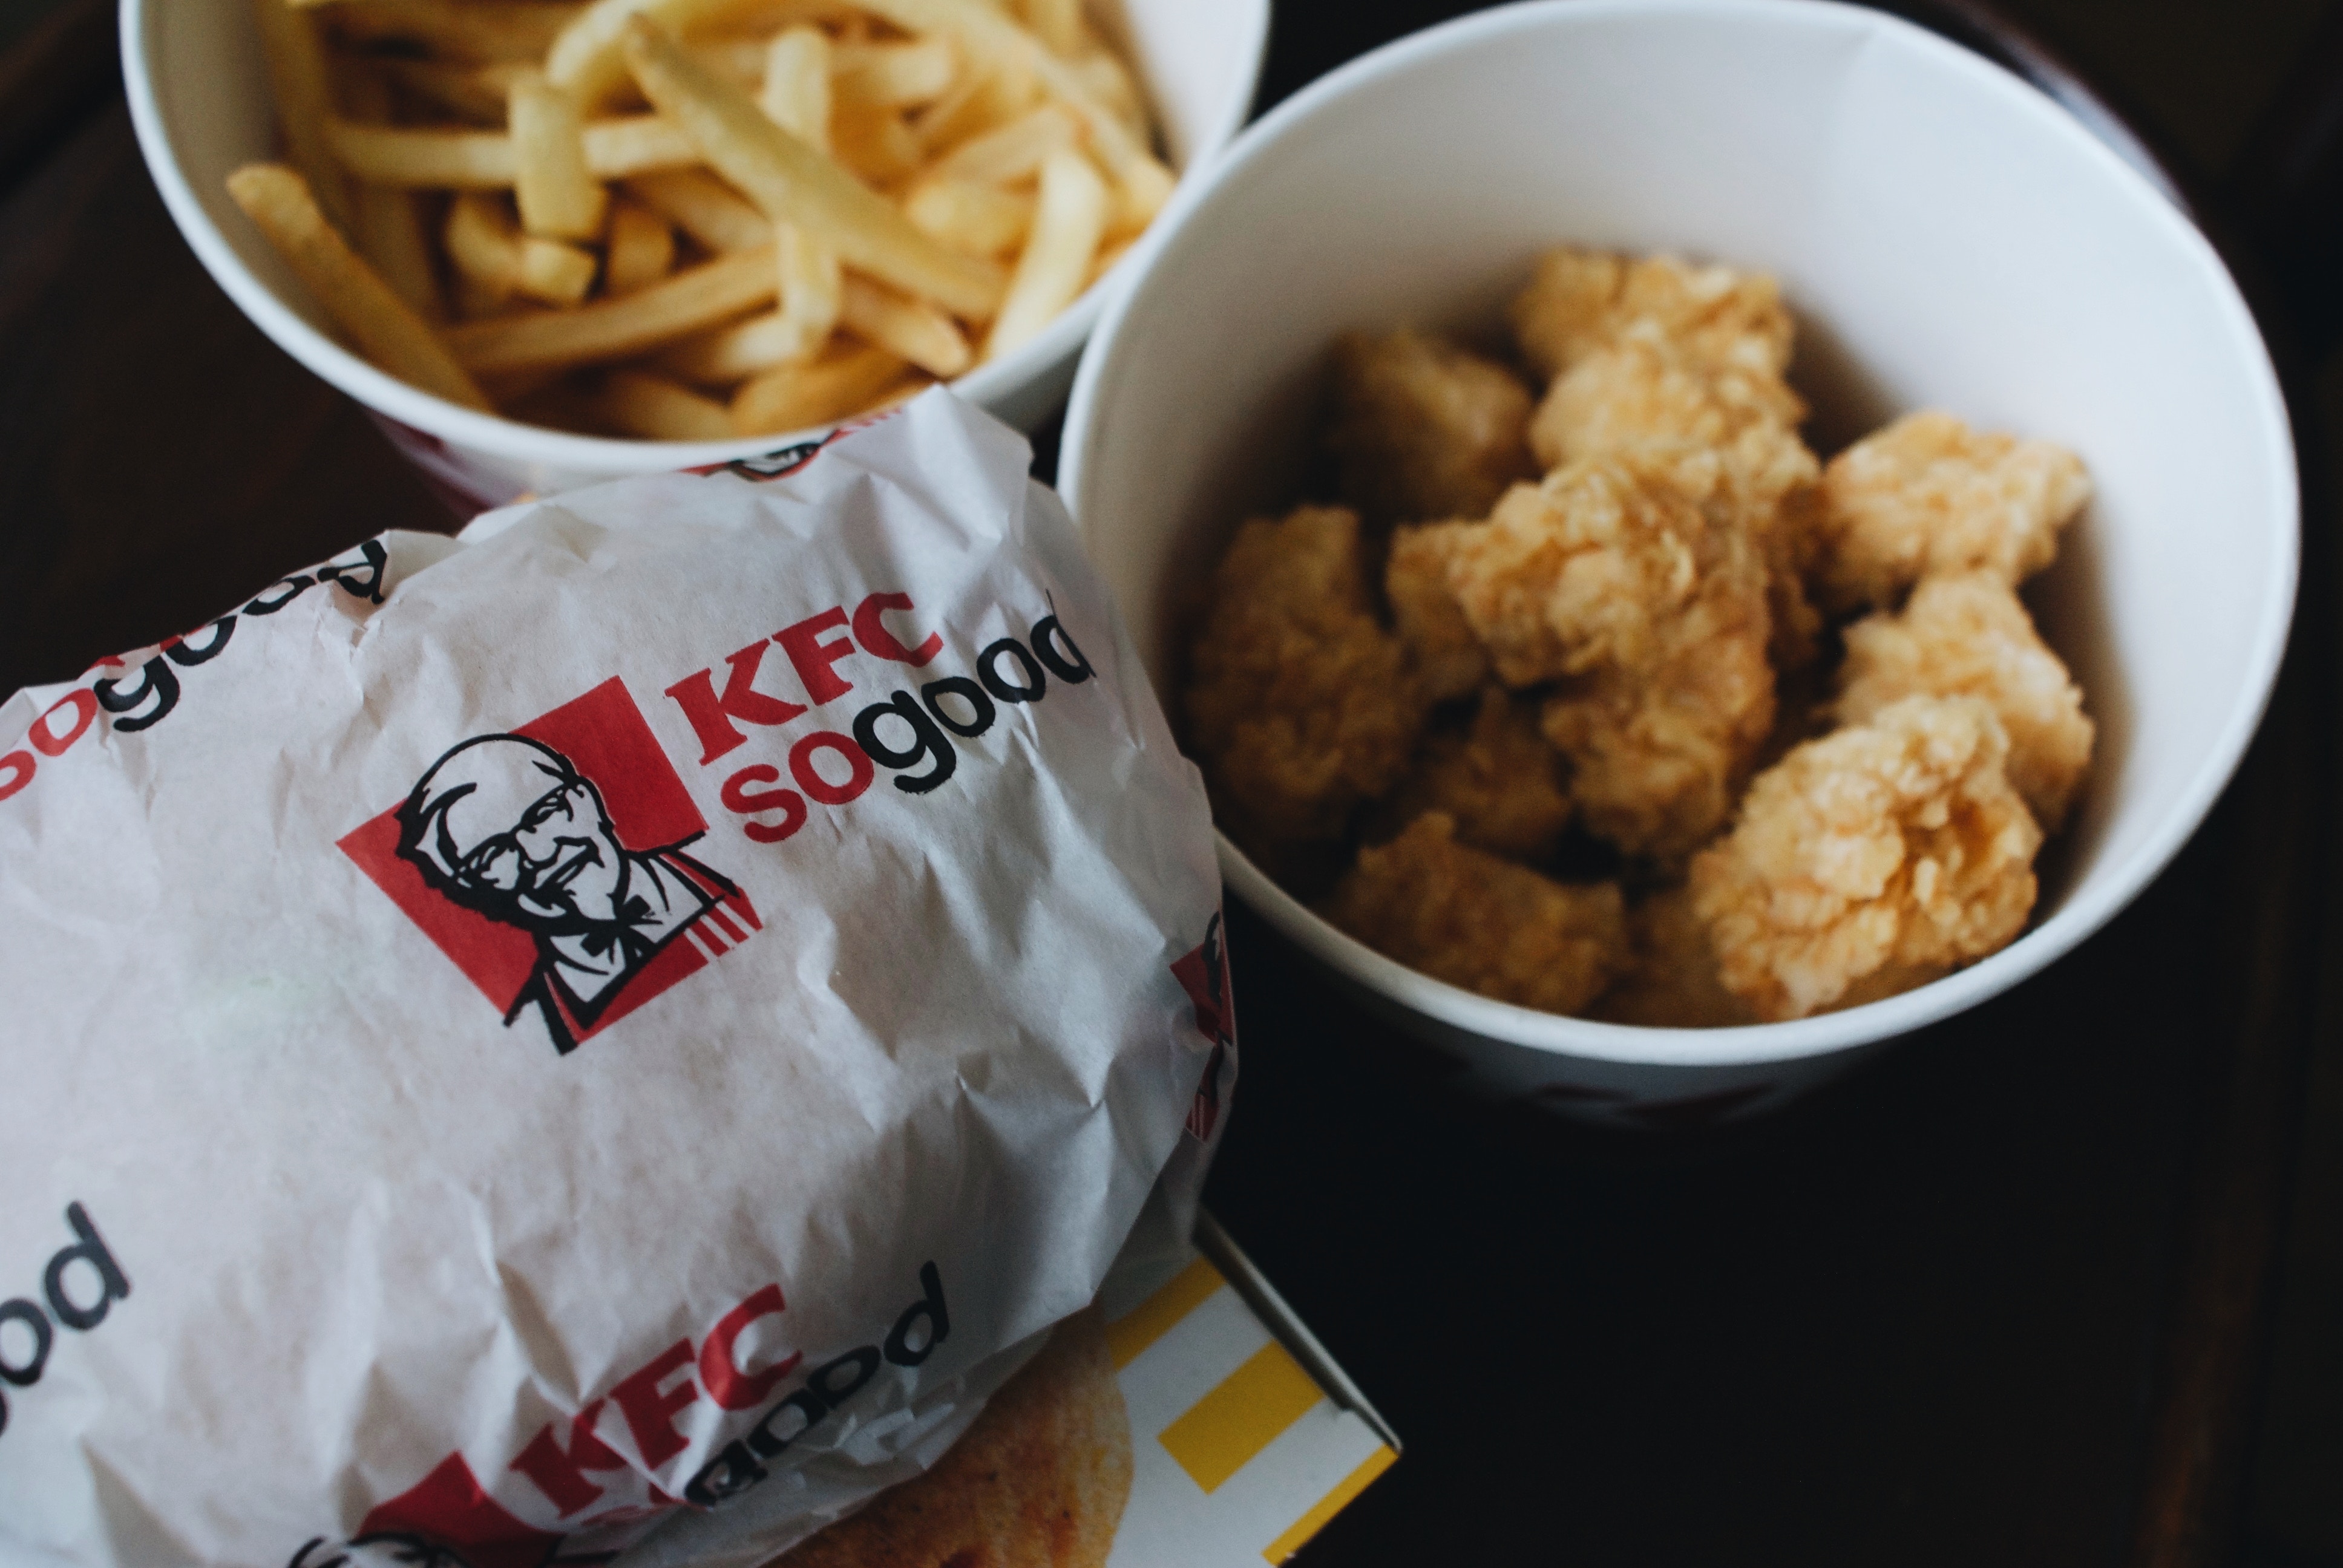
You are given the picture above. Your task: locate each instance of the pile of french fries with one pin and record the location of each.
(696, 219)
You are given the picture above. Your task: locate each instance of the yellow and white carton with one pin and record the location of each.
(1245, 1437)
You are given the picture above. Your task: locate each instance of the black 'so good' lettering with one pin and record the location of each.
(186, 655)
(858, 1364)
(1069, 666)
(968, 691)
(766, 1436)
(738, 797)
(926, 741)
(24, 1373)
(346, 574)
(264, 604)
(156, 685)
(113, 1284)
(987, 671)
(729, 1474)
(929, 1307)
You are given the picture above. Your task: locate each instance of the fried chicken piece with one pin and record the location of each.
(1928, 496)
(1658, 755)
(1672, 980)
(1479, 922)
(1581, 300)
(1300, 705)
(1498, 781)
(1589, 569)
(1449, 658)
(1421, 428)
(1639, 394)
(1968, 636)
(1870, 860)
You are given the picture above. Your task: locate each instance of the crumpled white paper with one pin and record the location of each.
(614, 1033)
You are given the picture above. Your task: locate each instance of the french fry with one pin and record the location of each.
(917, 331)
(1056, 260)
(740, 59)
(1057, 23)
(475, 92)
(796, 95)
(473, 32)
(302, 81)
(893, 75)
(795, 184)
(830, 388)
(989, 95)
(811, 281)
(1146, 185)
(721, 358)
(555, 272)
(484, 247)
(1110, 83)
(657, 409)
(385, 326)
(675, 307)
(485, 160)
(588, 58)
(387, 225)
(1104, 262)
(558, 199)
(704, 207)
(969, 215)
(1013, 152)
(641, 248)
(875, 145)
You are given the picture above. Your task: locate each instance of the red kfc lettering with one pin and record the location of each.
(858, 769)
(720, 1372)
(812, 658)
(562, 1474)
(650, 1411)
(738, 797)
(875, 638)
(712, 716)
(45, 738)
(16, 772)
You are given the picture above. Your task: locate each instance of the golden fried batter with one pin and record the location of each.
(1640, 394)
(1421, 428)
(1928, 496)
(1040, 1481)
(1581, 300)
(1479, 922)
(1589, 569)
(1671, 981)
(1968, 636)
(1871, 860)
(1499, 781)
(1299, 703)
(1449, 658)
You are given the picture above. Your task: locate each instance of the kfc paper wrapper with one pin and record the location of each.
(648, 1010)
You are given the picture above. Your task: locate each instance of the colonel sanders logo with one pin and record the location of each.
(549, 863)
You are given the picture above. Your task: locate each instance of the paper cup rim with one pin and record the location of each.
(2091, 906)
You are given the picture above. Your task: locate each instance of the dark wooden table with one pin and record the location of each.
(2003, 1296)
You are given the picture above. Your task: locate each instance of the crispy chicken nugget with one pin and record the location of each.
(1499, 781)
(1580, 300)
(1299, 704)
(1866, 861)
(1968, 636)
(1671, 981)
(1479, 922)
(1657, 755)
(1928, 496)
(1421, 428)
(1590, 568)
(1640, 394)
(1449, 658)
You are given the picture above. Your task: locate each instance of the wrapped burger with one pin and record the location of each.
(614, 1033)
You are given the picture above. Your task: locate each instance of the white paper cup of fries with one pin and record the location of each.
(476, 219)
(1945, 236)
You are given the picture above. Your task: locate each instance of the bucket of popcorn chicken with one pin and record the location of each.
(1669, 529)
(617, 1031)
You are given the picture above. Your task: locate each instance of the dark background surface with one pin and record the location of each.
(2056, 1283)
